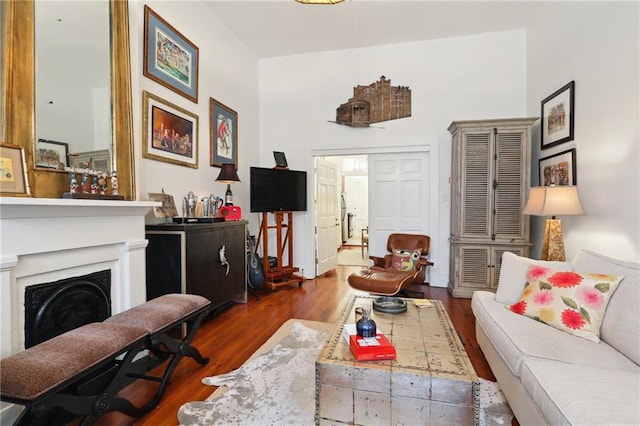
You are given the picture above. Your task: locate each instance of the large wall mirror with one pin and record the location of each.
(52, 101)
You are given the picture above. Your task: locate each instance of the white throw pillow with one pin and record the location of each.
(513, 275)
(621, 325)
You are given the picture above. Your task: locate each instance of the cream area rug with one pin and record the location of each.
(353, 257)
(276, 386)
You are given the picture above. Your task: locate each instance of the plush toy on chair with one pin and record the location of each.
(391, 274)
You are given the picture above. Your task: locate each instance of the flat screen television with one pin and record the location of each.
(273, 190)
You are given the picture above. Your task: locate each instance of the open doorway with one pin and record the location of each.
(344, 238)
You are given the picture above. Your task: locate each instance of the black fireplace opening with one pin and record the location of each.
(57, 307)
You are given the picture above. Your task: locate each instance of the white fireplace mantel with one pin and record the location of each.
(46, 239)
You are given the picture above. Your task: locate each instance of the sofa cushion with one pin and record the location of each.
(513, 275)
(621, 324)
(518, 338)
(569, 301)
(577, 395)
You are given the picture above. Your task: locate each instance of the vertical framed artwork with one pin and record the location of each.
(52, 154)
(169, 57)
(169, 133)
(223, 130)
(558, 169)
(557, 114)
(13, 171)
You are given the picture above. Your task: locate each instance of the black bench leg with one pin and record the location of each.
(176, 349)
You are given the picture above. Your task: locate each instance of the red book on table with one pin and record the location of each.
(371, 348)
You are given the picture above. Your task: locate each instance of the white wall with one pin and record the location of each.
(228, 72)
(475, 77)
(597, 45)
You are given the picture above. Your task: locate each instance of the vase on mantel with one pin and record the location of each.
(365, 326)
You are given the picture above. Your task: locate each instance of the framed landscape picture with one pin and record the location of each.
(558, 169)
(93, 160)
(557, 115)
(52, 154)
(170, 133)
(223, 128)
(169, 57)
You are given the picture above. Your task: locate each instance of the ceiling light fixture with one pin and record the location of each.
(319, 1)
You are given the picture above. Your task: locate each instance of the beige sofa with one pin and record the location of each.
(551, 377)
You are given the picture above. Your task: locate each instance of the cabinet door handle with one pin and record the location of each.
(223, 258)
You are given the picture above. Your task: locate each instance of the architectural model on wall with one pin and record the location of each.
(379, 101)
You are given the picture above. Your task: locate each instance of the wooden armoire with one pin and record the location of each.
(490, 177)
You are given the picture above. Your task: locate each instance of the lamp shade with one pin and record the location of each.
(554, 201)
(228, 174)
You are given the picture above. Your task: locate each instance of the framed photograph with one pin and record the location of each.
(223, 128)
(281, 159)
(169, 133)
(92, 160)
(168, 208)
(557, 114)
(169, 57)
(52, 154)
(13, 171)
(558, 169)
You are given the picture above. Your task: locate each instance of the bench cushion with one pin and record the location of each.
(161, 312)
(32, 373)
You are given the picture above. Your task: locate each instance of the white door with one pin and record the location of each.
(327, 216)
(399, 197)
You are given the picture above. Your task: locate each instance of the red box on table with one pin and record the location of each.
(372, 348)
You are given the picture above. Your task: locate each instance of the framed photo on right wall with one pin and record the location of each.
(557, 114)
(558, 169)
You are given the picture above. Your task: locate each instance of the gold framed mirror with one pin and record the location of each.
(18, 121)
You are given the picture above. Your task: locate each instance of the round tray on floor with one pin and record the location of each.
(389, 305)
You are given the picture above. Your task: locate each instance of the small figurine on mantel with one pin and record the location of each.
(114, 183)
(94, 184)
(85, 181)
(102, 183)
(73, 181)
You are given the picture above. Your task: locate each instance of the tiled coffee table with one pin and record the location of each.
(430, 382)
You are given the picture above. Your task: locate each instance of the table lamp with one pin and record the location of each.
(228, 175)
(553, 201)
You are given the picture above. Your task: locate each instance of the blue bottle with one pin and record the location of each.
(366, 327)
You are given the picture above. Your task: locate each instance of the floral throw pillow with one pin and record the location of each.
(569, 301)
(405, 260)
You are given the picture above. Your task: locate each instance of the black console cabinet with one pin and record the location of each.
(185, 258)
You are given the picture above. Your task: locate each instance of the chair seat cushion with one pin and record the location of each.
(381, 282)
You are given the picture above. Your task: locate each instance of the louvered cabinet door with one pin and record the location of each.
(475, 184)
(471, 271)
(511, 182)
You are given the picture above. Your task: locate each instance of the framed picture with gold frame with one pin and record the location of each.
(170, 133)
(13, 171)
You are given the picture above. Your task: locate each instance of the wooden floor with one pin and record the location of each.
(230, 337)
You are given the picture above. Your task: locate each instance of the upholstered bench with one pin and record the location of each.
(160, 316)
(387, 283)
(54, 373)
(82, 370)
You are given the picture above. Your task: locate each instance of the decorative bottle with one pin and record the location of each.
(228, 196)
(366, 327)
